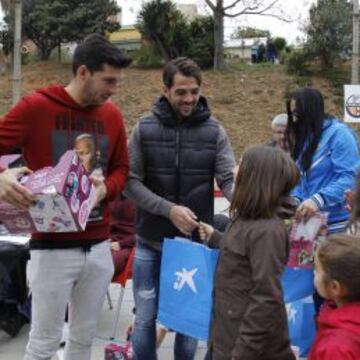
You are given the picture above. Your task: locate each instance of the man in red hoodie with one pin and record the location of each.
(74, 268)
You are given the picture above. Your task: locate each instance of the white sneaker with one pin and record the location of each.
(60, 354)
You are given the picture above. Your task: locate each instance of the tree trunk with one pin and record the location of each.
(59, 52)
(327, 60)
(45, 53)
(355, 52)
(16, 83)
(165, 52)
(219, 63)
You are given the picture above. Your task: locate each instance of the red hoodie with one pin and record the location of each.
(338, 337)
(46, 124)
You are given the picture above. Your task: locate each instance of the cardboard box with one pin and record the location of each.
(8, 161)
(65, 194)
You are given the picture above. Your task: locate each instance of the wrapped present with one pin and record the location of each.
(64, 199)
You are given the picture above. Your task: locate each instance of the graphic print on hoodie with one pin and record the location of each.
(49, 122)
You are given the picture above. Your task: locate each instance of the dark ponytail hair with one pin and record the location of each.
(305, 123)
(353, 224)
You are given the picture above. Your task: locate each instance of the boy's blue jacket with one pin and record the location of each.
(333, 170)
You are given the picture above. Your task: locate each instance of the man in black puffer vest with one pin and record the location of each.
(175, 154)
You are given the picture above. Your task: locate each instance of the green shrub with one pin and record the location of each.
(148, 57)
(303, 81)
(25, 58)
(282, 56)
(279, 43)
(65, 55)
(202, 45)
(29, 57)
(202, 53)
(296, 62)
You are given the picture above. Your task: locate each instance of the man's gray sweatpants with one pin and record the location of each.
(61, 277)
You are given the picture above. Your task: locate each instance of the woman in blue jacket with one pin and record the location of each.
(327, 155)
(326, 152)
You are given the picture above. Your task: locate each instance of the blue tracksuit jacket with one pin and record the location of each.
(333, 170)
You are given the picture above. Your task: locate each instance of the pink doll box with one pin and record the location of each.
(65, 194)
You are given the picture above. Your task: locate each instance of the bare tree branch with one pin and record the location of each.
(232, 10)
(211, 5)
(250, 10)
(244, 11)
(254, 10)
(256, 5)
(279, 17)
(268, 7)
(6, 5)
(232, 5)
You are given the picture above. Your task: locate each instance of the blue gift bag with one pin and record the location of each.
(301, 324)
(297, 283)
(298, 287)
(186, 286)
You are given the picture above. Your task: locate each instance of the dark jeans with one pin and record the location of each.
(146, 276)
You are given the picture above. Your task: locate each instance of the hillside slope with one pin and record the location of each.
(243, 100)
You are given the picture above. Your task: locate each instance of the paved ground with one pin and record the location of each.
(13, 348)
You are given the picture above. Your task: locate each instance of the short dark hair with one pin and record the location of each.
(184, 66)
(95, 51)
(339, 256)
(265, 176)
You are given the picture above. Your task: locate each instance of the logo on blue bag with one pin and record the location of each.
(291, 313)
(185, 277)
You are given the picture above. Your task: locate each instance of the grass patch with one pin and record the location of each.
(246, 67)
(303, 81)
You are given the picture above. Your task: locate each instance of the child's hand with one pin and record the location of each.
(97, 179)
(115, 246)
(129, 330)
(205, 231)
(349, 199)
(184, 219)
(306, 210)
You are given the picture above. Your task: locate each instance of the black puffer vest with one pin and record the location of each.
(179, 162)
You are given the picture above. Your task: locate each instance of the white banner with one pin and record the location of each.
(352, 103)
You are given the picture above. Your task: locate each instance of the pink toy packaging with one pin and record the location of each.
(64, 193)
(118, 352)
(304, 237)
(10, 160)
